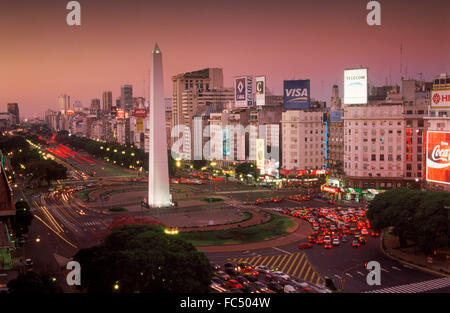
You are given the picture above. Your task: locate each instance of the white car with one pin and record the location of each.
(262, 269)
(289, 289)
(282, 275)
(364, 231)
(336, 242)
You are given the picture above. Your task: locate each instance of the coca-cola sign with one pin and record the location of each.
(438, 161)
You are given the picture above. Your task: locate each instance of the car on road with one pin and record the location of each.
(304, 245)
(242, 280)
(236, 290)
(215, 266)
(28, 265)
(327, 239)
(362, 240)
(275, 286)
(289, 289)
(328, 246)
(336, 242)
(250, 276)
(218, 281)
(231, 271)
(249, 289)
(259, 285)
(217, 287)
(233, 283)
(262, 269)
(222, 275)
(364, 231)
(282, 275)
(375, 234)
(355, 243)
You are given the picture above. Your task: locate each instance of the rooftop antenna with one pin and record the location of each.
(401, 59)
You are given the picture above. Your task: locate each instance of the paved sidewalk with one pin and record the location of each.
(416, 259)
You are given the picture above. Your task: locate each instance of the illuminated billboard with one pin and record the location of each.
(440, 99)
(140, 112)
(437, 157)
(243, 91)
(260, 90)
(260, 161)
(69, 111)
(296, 94)
(355, 86)
(139, 124)
(120, 113)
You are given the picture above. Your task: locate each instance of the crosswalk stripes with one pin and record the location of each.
(295, 265)
(416, 287)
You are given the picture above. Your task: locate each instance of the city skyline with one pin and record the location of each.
(43, 57)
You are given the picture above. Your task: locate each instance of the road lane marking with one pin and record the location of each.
(300, 274)
(268, 260)
(298, 265)
(281, 250)
(293, 262)
(276, 260)
(384, 270)
(407, 266)
(349, 275)
(360, 273)
(284, 266)
(312, 277)
(337, 276)
(396, 268)
(257, 260)
(281, 261)
(307, 272)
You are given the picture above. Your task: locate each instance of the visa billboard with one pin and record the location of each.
(438, 157)
(355, 86)
(296, 94)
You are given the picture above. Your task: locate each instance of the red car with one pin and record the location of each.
(250, 271)
(328, 246)
(305, 245)
(233, 283)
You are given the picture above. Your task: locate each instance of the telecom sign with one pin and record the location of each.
(261, 90)
(438, 157)
(243, 91)
(296, 94)
(440, 99)
(355, 86)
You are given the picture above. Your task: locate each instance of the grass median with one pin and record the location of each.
(277, 226)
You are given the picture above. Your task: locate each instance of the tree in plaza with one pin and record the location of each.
(23, 218)
(32, 283)
(198, 164)
(247, 169)
(415, 215)
(143, 259)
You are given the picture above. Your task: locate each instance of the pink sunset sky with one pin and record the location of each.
(42, 57)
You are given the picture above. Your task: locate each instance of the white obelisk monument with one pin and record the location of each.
(158, 170)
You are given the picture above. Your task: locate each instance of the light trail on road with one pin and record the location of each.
(56, 233)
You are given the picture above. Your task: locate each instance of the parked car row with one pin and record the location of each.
(245, 278)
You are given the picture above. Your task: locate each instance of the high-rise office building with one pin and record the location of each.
(184, 84)
(126, 97)
(107, 102)
(13, 108)
(63, 103)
